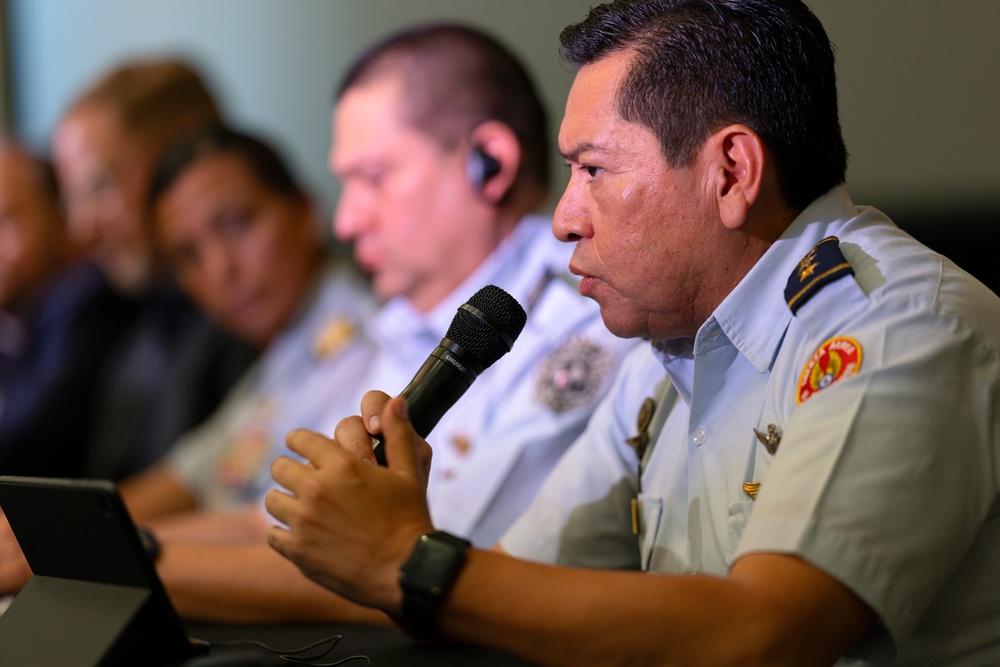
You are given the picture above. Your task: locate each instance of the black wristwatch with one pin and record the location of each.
(429, 573)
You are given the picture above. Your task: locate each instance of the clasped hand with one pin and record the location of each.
(349, 523)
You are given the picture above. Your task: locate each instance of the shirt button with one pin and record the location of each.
(699, 436)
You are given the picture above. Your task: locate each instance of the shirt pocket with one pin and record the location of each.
(651, 509)
(739, 512)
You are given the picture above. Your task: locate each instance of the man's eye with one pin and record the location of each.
(589, 170)
(370, 178)
(234, 223)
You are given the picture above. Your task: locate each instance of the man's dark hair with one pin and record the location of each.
(703, 64)
(455, 78)
(264, 162)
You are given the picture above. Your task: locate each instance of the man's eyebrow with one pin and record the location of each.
(573, 154)
(354, 168)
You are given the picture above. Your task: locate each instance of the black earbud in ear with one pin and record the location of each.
(481, 168)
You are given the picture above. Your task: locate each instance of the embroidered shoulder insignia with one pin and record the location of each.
(333, 337)
(836, 359)
(821, 266)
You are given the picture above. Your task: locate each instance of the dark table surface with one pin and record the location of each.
(382, 646)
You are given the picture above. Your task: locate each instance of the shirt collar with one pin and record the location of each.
(754, 316)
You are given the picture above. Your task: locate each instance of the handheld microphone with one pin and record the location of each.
(484, 329)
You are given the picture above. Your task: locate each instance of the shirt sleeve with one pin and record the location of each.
(884, 480)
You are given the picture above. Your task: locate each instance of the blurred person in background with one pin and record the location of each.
(441, 145)
(173, 366)
(58, 320)
(243, 239)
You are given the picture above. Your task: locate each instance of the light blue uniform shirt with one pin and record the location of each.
(882, 391)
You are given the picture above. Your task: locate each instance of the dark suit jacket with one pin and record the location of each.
(47, 387)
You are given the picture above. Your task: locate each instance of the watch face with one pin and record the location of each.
(433, 565)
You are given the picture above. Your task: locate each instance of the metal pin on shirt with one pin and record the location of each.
(640, 442)
(771, 439)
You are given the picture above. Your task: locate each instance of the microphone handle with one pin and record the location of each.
(437, 386)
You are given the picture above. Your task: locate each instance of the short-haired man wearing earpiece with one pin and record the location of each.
(440, 144)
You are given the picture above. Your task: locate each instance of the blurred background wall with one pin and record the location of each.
(919, 83)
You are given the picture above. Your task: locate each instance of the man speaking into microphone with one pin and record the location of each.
(818, 480)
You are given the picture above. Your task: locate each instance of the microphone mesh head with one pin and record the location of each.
(480, 338)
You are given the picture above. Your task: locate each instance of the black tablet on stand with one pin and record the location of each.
(95, 598)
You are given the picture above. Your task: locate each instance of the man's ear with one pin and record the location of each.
(738, 162)
(500, 146)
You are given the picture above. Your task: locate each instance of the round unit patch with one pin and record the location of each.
(572, 375)
(836, 359)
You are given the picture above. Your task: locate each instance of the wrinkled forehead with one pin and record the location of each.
(592, 102)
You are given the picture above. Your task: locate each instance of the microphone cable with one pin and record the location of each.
(308, 655)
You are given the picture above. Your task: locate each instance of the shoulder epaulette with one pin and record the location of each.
(823, 264)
